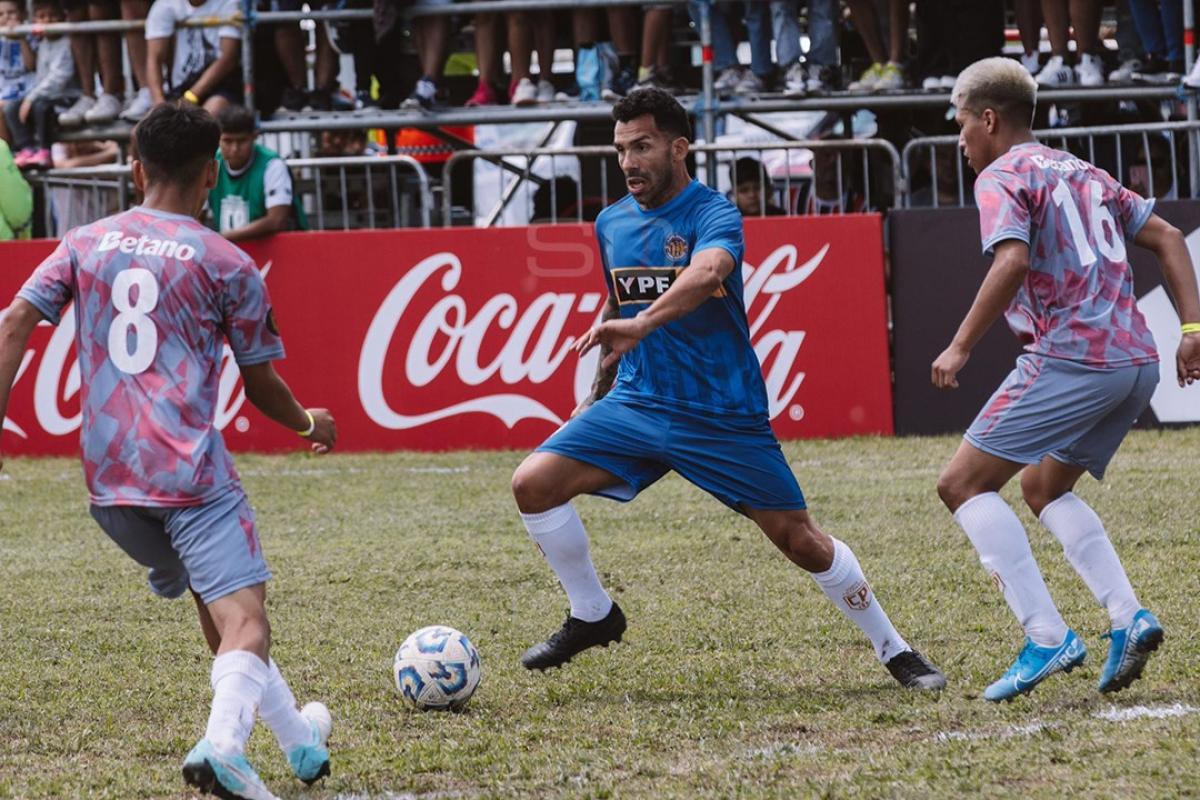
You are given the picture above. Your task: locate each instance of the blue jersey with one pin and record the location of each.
(702, 361)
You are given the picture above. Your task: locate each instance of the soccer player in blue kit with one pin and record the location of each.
(688, 396)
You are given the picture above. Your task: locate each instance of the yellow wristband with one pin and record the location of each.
(312, 425)
(1190, 327)
(191, 97)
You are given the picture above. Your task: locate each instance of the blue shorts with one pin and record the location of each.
(737, 460)
(213, 548)
(1069, 411)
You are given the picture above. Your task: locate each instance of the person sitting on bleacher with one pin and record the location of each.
(253, 196)
(752, 189)
(32, 123)
(206, 68)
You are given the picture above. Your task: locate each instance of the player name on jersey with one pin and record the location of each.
(145, 246)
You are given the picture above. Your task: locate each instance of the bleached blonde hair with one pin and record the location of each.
(998, 83)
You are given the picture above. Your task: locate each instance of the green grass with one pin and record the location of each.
(737, 678)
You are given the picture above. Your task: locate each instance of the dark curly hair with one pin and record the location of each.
(669, 116)
(176, 142)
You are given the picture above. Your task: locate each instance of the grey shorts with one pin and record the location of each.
(212, 548)
(1069, 411)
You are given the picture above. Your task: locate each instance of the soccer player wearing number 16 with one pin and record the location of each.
(156, 297)
(1057, 227)
(688, 396)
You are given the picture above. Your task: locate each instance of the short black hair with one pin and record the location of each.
(749, 170)
(53, 5)
(176, 142)
(236, 119)
(669, 116)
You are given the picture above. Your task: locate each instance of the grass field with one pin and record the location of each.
(736, 678)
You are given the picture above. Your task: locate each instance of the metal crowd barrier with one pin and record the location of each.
(820, 176)
(344, 193)
(1105, 146)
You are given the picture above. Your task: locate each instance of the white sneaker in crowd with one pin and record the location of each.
(1192, 81)
(795, 81)
(1055, 73)
(1031, 62)
(526, 93)
(1125, 72)
(73, 116)
(869, 80)
(139, 106)
(106, 109)
(750, 84)
(545, 92)
(727, 82)
(890, 77)
(931, 84)
(820, 78)
(1090, 70)
(948, 81)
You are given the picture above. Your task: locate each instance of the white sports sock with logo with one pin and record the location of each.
(559, 534)
(239, 678)
(845, 584)
(1004, 551)
(278, 711)
(1089, 551)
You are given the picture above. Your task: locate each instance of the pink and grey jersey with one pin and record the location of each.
(1077, 301)
(156, 295)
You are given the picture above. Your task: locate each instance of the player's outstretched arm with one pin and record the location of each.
(16, 324)
(699, 281)
(1167, 242)
(271, 395)
(1008, 271)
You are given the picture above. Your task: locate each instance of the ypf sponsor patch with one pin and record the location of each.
(642, 284)
(859, 596)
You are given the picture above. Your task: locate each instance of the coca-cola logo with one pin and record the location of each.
(534, 342)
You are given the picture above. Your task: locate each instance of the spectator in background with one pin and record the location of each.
(72, 206)
(952, 35)
(1159, 24)
(253, 196)
(340, 143)
(1083, 16)
(655, 68)
(752, 189)
(527, 30)
(32, 123)
(290, 44)
(818, 73)
(101, 52)
(205, 68)
(1029, 25)
(596, 62)
(881, 76)
(432, 37)
(16, 199)
(623, 28)
(731, 76)
(489, 60)
(17, 60)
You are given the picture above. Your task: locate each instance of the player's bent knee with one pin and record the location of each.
(532, 490)
(952, 489)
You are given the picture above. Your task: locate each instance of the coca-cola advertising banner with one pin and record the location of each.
(461, 338)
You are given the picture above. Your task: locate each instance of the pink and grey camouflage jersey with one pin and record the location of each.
(156, 297)
(1077, 301)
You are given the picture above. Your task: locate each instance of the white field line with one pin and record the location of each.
(1115, 714)
(1006, 732)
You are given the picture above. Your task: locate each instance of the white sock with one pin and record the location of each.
(1089, 551)
(238, 680)
(1004, 551)
(560, 535)
(278, 711)
(845, 584)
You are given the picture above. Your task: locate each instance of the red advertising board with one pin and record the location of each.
(460, 338)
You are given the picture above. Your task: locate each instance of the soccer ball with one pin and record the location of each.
(437, 668)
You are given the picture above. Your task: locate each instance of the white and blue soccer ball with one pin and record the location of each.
(437, 668)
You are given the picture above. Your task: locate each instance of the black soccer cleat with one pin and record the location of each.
(573, 638)
(913, 671)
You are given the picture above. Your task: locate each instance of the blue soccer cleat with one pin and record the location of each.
(1128, 651)
(310, 762)
(1034, 665)
(228, 777)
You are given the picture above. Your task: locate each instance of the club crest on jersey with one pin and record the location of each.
(676, 247)
(859, 596)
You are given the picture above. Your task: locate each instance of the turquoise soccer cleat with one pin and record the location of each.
(1128, 651)
(1034, 665)
(310, 762)
(228, 777)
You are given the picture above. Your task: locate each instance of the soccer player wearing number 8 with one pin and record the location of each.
(157, 296)
(688, 396)
(1057, 227)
